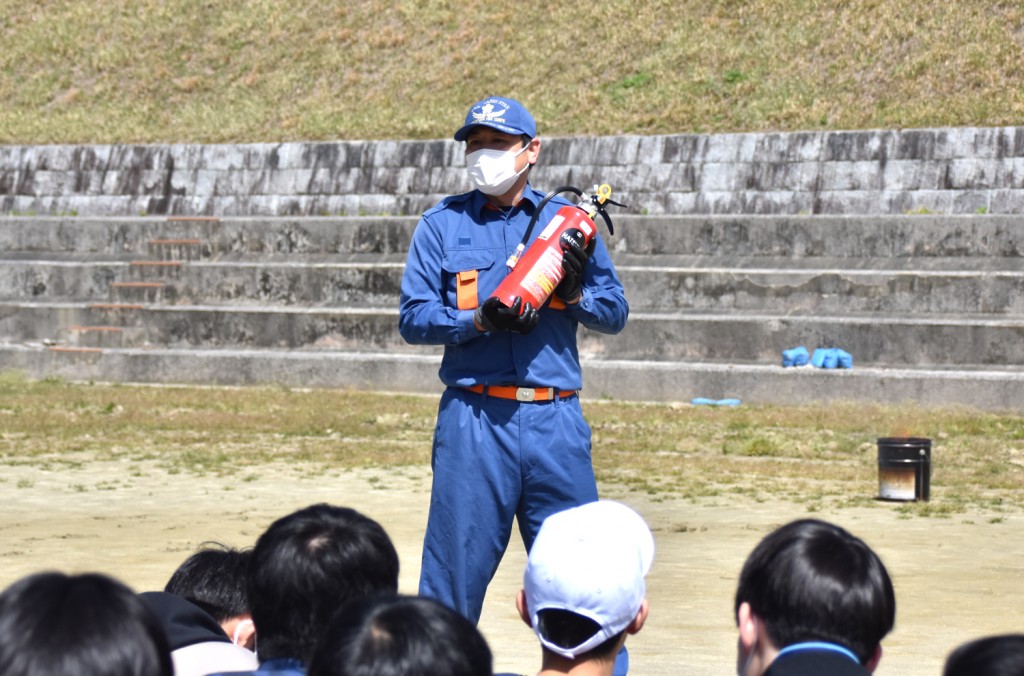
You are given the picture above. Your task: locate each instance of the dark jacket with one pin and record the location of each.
(815, 663)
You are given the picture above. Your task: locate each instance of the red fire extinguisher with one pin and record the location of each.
(535, 275)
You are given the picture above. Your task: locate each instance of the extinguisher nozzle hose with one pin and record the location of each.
(600, 199)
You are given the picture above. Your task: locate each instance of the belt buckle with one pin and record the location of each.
(525, 394)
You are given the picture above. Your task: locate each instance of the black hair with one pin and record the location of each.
(79, 625)
(990, 656)
(214, 578)
(401, 636)
(567, 629)
(813, 581)
(307, 565)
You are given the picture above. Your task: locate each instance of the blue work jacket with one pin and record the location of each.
(465, 233)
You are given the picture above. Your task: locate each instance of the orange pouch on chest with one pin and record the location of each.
(465, 290)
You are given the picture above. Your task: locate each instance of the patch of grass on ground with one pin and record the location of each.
(812, 455)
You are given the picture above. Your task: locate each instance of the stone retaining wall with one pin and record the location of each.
(946, 171)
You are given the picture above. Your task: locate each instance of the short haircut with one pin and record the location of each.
(813, 581)
(214, 578)
(307, 565)
(79, 625)
(568, 630)
(990, 656)
(399, 636)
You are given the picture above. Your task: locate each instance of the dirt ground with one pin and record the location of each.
(956, 578)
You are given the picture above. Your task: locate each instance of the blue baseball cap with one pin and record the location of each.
(507, 115)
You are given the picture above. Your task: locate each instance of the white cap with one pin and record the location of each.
(590, 560)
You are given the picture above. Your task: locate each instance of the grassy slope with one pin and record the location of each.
(261, 70)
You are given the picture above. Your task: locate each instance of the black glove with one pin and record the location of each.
(494, 316)
(574, 262)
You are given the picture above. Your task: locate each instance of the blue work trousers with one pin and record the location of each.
(495, 459)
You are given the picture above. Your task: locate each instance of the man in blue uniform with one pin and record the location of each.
(510, 439)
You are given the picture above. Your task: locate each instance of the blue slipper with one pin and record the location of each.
(797, 356)
(825, 358)
(831, 358)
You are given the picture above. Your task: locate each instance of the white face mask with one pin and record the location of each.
(493, 172)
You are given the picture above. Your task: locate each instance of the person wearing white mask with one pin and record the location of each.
(510, 441)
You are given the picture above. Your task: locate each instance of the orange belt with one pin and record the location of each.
(521, 393)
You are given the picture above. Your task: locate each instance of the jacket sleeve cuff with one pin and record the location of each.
(466, 326)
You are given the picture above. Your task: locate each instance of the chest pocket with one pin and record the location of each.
(465, 267)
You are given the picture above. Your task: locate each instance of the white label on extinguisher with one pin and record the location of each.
(551, 227)
(545, 275)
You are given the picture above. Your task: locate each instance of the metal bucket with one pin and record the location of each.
(904, 468)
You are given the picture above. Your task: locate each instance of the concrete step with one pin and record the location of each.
(199, 326)
(81, 335)
(267, 282)
(880, 340)
(823, 290)
(776, 287)
(819, 264)
(855, 236)
(751, 338)
(803, 236)
(206, 237)
(929, 306)
(624, 380)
